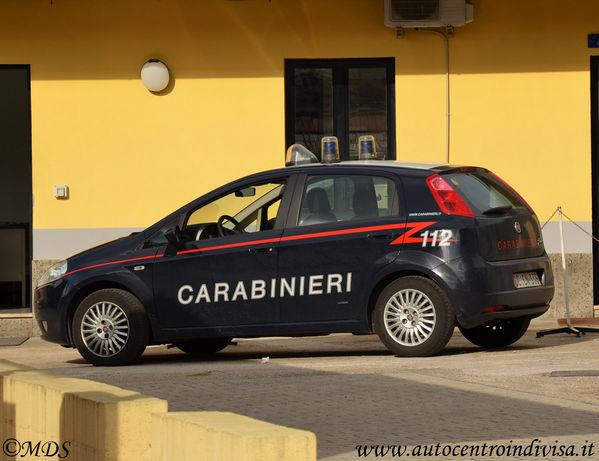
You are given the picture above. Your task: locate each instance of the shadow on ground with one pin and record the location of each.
(335, 346)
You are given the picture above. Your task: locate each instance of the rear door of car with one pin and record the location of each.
(339, 234)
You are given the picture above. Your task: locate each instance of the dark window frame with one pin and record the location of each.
(27, 226)
(340, 69)
(594, 90)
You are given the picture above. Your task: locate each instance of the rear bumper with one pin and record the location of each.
(509, 313)
(480, 284)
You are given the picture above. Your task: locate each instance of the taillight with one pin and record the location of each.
(447, 198)
(491, 309)
(510, 188)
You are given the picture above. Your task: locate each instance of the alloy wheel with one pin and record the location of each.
(105, 329)
(409, 317)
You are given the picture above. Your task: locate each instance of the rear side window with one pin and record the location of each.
(482, 191)
(333, 198)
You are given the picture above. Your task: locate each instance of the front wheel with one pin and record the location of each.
(110, 327)
(413, 317)
(497, 333)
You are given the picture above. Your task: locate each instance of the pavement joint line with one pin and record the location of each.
(493, 390)
(573, 373)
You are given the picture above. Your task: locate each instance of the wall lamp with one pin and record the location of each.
(154, 75)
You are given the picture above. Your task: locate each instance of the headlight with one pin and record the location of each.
(55, 272)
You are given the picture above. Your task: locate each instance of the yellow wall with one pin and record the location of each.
(519, 91)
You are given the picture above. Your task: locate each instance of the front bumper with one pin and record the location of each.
(51, 312)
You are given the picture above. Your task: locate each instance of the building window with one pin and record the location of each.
(346, 98)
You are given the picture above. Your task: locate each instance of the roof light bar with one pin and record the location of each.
(299, 155)
(330, 149)
(366, 147)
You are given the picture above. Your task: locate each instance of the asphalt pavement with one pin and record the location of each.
(466, 403)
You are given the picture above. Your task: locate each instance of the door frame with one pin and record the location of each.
(29, 225)
(595, 170)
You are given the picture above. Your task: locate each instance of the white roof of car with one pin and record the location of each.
(394, 163)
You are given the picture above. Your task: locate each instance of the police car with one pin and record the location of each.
(408, 251)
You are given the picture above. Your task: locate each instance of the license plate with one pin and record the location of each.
(527, 280)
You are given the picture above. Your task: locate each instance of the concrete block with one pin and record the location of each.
(223, 436)
(14, 331)
(580, 285)
(100, 421)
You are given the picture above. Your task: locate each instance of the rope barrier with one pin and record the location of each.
(572, 221)
(550, 217)
(577, 225)
(569, 329)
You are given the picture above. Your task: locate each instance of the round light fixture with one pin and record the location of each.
(154, 75)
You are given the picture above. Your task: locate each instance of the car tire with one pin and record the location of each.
(110, 328)
(204, 346)
(413, 317)
(498, 333)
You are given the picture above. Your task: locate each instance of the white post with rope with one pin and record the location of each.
(564, 271)
(568, 329)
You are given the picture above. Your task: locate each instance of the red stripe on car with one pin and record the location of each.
(402, 239)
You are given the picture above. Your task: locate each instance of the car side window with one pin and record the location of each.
(159, 237)
(339, 198)
(252, 208)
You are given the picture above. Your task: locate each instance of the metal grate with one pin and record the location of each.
(412, 10)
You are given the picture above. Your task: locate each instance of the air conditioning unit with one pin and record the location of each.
(427, 13)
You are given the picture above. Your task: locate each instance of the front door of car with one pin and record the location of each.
(218, 278)
(339, 236)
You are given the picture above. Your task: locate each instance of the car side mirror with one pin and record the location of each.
(247, 192)
(173, 235)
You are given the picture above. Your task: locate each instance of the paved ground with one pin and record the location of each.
(349, 390)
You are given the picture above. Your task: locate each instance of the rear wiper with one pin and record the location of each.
(498, 209)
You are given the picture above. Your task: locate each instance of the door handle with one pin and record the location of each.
(380, 236)
(263, 250)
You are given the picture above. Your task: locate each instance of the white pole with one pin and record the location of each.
(447, 92)
(561, 235)
(447, 103)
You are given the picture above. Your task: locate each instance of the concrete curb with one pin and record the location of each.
(223, 436)
(85, 419)
(47, 414)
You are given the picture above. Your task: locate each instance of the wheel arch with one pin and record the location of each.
(90, 288)
(395, 275)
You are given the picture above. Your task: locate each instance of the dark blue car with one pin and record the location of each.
(407, 251)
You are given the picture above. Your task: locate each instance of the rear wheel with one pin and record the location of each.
(498, 333)
(413, 317)
(204, 346)
(110, 327)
